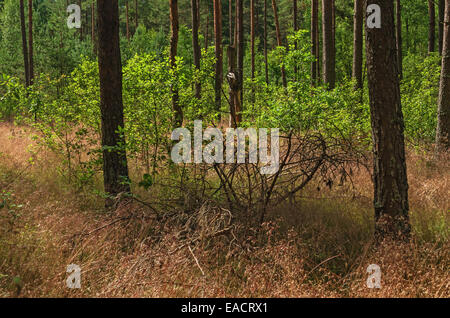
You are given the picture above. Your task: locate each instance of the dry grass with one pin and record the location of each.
(318, 246)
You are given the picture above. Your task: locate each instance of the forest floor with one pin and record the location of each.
(319, 246)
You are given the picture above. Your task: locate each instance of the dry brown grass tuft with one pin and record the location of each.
(316, 246)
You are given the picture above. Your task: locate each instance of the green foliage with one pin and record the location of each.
(420, 92)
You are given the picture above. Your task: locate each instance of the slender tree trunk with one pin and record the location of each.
(279, 41)
(178, 112)
(252, 37)
(441, 25)
(432, 26)
(196, 44)
(230, 21)
(240, 58)
(390, 178)
(266, 64)
(443, 126)
(329, 56)
(314, 33)
(399, 39)
(128, 21)
(24, 44)
(218, 51)
(115, 168)
(30, 40)
(358, 43)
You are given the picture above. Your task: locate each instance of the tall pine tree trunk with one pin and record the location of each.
(279, 41)
(431, 26)
(358, 43)
(24, 44)
(195, 43)
(240, 57)
(252, 37)
(390, 179)
(443, 126)
(218, 51)
(441, 25)
(115, 168)
(314, 40)
(329, 56)
(174, 26)
(30, 40)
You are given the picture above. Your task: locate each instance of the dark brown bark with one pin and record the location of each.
(314, 40)
(443, 126)
(195, 43)
(329, 56)
(398, 34)
(358, 43)
(128, 21)
(24, 44)
(390, 179)
(174, 26)
(431, 27)
(30, 40)
(115, 168)
(218, 51)
(279, 40)
(441, 25)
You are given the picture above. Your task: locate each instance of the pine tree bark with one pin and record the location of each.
(329, 56)
(30, 41)
(174, 26)
(115, 168)
(358, 43)
(441, 25)
(398, 34)
(279, 41)
(24, 44)
(443, 126)
(314, 40)
(431, 27)
(196, 44)
(218, 52)
(390, 179)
